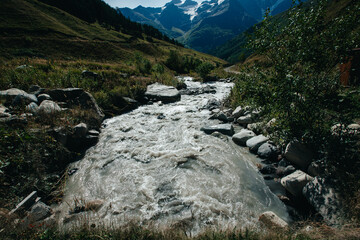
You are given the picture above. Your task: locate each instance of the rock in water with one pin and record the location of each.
(226, 129)
(241, 137)
(159, 92)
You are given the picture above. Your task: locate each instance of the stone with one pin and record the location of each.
(220, 116)
(325, 199)
(43, 97)
(49, 107)
(159, 92)
(25, 204)
(93, 132)
(241, 137)
(298, 154)
(226, 129)
(80, 130)
(295, 182)
(64, 94)
(267, 151)
(212, 103)
(87, 102)
(22, 97)
(4, 112)
(34, 88)
(245, 119)
(283, 163)
(255, 142)
(33, 108)
(39, 211)
(208, 89)
(87, 73)
(238, 112)
(272, 221)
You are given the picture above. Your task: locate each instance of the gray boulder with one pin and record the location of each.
(238, 112)
(65, 94)
(267, 151)
(244, 120)
(33, 108)
(295, 182)
(212, 104)
(87, 102)
(255, 142)
(325, 199)
(220, 116)
(159, 92)
(49, 107)
(22, 97)
(39, 211)
(226, 129)
(241, 137)
(298, 154)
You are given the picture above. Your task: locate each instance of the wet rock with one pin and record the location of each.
(298, 154)
(220, 116)
(255, 142)
(159, 92)
(267, 151)
(241, 137)
(325, 199)
(72, 171)
(49, 107)
(80, 130)
(272, 221)
(289, 170)
(244, 120)
(208, 89)
(226, 129)
(212, 103)
(295, 182)
(283, 163)
(43, 97)
(33, 108)
(93, 132)
(220, 136)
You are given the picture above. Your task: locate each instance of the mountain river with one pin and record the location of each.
(164, 172)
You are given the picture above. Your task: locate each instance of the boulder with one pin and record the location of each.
(33, 108)
(34, 88)
(226, 129)
(244, 120)
(238, 112)
(65, 94)
(315, 169)
(43, 97)
(220, 116)
(80, 130)
(272, 221)
(93, 132)
(23, 97)
(212, 104)
(241, 137)
(159, 92)
(298, 154)
(267, 151)
(4, 112)
(257, 127)
(49, 107)
(295, 182)
(325, 199)
(208, 89)
(268, 169)
(87, 102)
(255, 142)
(289, 170)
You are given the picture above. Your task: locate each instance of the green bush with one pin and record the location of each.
(204, 69)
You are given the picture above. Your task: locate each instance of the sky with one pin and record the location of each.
(135, 3)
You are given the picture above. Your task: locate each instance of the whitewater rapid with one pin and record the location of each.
(153, 166)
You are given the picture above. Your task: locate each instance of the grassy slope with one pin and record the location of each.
(31, 28)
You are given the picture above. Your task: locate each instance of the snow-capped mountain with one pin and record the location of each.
(205, 25)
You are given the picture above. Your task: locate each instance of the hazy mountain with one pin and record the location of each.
(206, 25)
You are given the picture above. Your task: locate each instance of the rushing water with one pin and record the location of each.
(164, 172)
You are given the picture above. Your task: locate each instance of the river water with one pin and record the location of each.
(164, 172)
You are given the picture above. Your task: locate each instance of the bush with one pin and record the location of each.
(204, 69)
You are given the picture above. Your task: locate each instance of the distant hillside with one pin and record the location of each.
(235, 49)
(34, 29)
